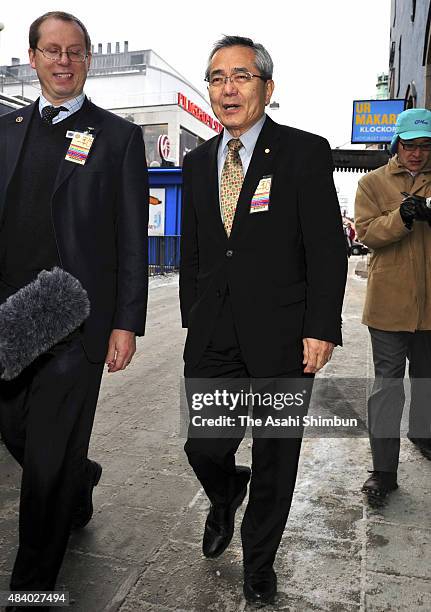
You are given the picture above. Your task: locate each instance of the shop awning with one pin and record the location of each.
(357, 160)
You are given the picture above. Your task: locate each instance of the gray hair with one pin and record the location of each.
(262, 59)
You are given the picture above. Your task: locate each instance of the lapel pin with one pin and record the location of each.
(267, 150)
(19, 119)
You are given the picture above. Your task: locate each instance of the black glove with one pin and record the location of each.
(408, 212)
(422, 212)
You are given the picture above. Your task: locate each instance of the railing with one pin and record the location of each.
(163, 254)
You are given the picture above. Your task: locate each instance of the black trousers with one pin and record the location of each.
(274, 460)
(386, 402)
(46, 417)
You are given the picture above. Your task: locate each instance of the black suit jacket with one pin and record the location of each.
(100, 218)
(285, 268)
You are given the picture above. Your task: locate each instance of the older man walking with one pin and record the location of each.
(254, 293)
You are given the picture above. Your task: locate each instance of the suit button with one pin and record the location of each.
(229, 253)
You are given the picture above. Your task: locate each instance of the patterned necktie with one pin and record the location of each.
(49, 112)
(232, 177)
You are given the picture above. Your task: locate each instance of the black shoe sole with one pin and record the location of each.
(270, 598)
(260, 604)
(375, 497)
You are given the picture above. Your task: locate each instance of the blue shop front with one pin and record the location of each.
(164, 226)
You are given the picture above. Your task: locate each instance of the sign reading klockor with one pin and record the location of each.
(200, 114)
(374, 120)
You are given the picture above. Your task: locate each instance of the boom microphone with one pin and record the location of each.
(37, 317)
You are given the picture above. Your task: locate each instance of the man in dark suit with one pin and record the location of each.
(261, 291)
(90, 219)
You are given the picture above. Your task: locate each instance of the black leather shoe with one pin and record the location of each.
(260, 589)
(423, 445)
(220, 522)
(84, 511)
(379, 484)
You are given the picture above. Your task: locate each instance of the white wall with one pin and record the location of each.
(175, 117)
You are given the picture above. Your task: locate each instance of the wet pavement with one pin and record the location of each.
(142, 550)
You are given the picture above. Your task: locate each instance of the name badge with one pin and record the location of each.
(260, 199)
(79, 148)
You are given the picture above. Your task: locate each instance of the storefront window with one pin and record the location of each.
(188, 142)
(151, 136)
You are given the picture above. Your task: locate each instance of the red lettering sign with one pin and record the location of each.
(164, 146)
(200, 114)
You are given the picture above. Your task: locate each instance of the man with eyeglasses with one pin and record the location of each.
(260, 293)
(393, 217)
(73, 194)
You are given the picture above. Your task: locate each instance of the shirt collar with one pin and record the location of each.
(249, 137)
(73, 105)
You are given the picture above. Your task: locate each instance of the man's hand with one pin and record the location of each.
(416, 205)
(316, 354)
(121, 348)
(408, 212)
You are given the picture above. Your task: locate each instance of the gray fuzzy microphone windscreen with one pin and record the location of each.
(38, 316)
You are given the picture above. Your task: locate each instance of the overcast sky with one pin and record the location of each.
(326, 53)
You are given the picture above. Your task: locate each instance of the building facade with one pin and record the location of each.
(382, 87)
(410, 52)
(140, 86)
(10, 103)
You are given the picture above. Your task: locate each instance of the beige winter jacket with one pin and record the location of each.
(399, 277)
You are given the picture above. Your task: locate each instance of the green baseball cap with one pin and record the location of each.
(412, 123)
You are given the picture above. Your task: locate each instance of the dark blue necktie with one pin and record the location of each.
(49, 112)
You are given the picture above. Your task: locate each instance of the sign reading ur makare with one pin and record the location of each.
(374, 120)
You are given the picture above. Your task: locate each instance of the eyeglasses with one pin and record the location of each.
(410, 146)
(238, 78)
(55, 55)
